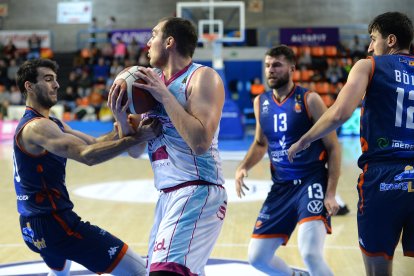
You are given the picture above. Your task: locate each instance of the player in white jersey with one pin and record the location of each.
(185, 158)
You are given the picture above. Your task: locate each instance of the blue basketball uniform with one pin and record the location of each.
(386, 201)
(298, 188)
(48, 224)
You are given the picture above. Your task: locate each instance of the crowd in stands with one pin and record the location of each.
(323, 69)
(94, 70)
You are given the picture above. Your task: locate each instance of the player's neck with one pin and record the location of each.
(39, 109)
(174, 66)
(281, 93)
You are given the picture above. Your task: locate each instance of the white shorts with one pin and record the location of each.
(187, 224)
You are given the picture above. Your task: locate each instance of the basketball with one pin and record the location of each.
(141, 100)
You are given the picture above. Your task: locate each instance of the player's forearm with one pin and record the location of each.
(333, 171)
(254, 155)
(101, 152)
(110, 136)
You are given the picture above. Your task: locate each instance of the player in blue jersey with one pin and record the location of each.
(42, 145)
(303, 192)
(385, 82)
(185, 159)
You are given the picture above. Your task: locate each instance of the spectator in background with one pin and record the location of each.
(34, 44)
(143, 59)
(305, 60)
(256, 88)
(93, 27)
(356, 48)
(133, 50)
(4, 80)
(120, 50)
(12, 70)
(16, 97)
(110, 26)
(9, 50)
(107, 52)
(116, 67)
(100, 72)
(334, 73)
(69, 99)
(4, 101)
(84, 84)
(73, 81)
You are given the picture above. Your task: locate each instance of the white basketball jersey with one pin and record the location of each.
(172, 160)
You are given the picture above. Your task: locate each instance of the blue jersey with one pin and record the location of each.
(387, 121)
(283, 124)
(39, 180)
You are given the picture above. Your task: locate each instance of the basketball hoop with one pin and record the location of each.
(212, 42)
(209, 39)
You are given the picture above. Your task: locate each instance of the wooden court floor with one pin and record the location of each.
(131, 221)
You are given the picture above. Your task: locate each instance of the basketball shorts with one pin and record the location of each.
(186, 226)
(385, 210)
(64, 236)
(289, 203)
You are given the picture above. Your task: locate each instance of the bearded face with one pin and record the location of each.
(278, 71)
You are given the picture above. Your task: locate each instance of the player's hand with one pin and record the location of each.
(153, 83)
(148, 129)
(295, 148)
(240, 185)
(331, 205)
(115, 103)
(134, 120)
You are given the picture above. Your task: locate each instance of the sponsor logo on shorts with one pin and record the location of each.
(394, 186)
(159, 246)
(28, 235)
(221, 213)
(22, 197)
(315, 206)
(112, 251)
(259, 224)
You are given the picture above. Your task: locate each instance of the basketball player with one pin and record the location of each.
(42, 145)
(385, 81)
(185, 159)
(300, 190)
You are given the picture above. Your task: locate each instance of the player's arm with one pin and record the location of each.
(342, 109)
(113, 135)
(316, 109)
(127, 124)
(46, 135)
(255, 153)
(198, 120)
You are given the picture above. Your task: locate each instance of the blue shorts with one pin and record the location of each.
(385, 210)
(292, 202)
(61, 236)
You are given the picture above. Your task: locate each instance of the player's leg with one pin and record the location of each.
(64, 272)
(130, 264)
(378, 266)
(261, 255)
(311, 238)
(192, 218)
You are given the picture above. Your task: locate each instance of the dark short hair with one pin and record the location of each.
(28, 71)
(184, 33)
(395, 23)
(282, 50)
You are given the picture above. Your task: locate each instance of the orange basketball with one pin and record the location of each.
(141, 100)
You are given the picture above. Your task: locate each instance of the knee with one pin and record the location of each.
(256, 259)
(311, 257)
